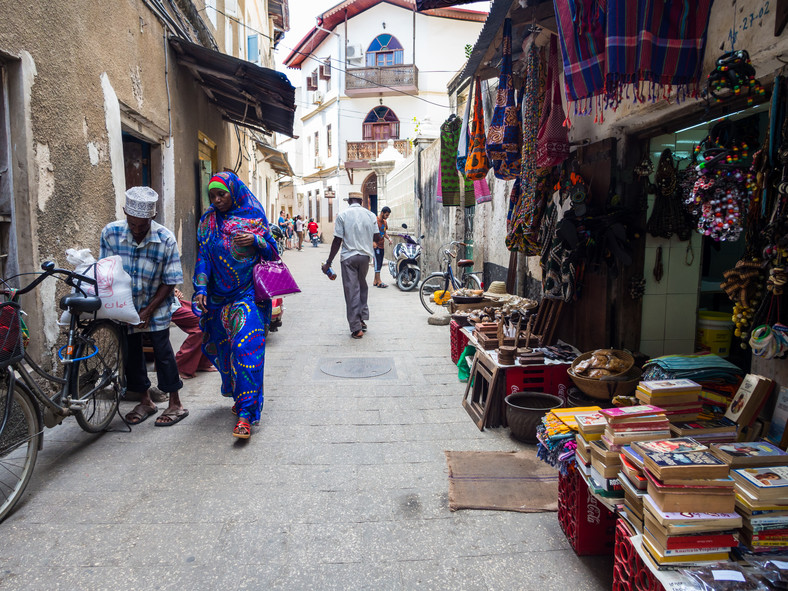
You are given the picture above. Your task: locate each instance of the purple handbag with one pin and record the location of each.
(272, 279)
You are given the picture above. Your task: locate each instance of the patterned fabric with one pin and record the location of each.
(450, 177)
(553, 138)
(581, 27)
(477, 165)
(521, 234)
(504, 138)
(152, 263)
(465, 137)
(234, 326)
(481, 191)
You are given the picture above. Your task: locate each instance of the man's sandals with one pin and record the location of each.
(171, 416)
(243, 430)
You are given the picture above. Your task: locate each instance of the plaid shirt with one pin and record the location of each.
(152, 263)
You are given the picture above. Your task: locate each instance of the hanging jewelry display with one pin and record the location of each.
(732, 76)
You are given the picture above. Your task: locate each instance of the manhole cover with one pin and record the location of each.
(357, 367)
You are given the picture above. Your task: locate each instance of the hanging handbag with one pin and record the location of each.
(505, 135)
(477, 165)
(272, 279)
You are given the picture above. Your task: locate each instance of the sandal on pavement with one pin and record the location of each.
(243, 430)
(381, 285)
(140, 413)
(357, 335)
(171, 416)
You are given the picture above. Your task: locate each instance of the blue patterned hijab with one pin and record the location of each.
(244, 206)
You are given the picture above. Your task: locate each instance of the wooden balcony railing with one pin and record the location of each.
(369, 81)
(370, 150)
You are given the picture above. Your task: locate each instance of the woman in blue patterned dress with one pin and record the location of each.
(232, 237)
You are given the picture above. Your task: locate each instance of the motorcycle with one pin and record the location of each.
(315, 238)
(279, 236)
(405, 268)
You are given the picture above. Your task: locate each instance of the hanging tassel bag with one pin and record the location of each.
(504, 138)
(477, 165)
(553, 138)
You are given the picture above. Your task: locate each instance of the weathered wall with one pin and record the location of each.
(79, 57)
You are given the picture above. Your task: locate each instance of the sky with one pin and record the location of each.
(302, 19)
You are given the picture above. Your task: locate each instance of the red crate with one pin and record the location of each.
(625, 556)
(620, 580)
(588, 524)
(458, 341)
(552, 379)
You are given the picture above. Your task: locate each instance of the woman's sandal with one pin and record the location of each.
(243, 430)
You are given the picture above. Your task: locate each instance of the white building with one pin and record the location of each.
(369, 71)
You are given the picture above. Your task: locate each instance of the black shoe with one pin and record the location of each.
(364, 326)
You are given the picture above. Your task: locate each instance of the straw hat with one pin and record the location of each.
(497, 290)
(354, 195)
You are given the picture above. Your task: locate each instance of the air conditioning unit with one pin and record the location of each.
(355, 55)
(318, 162)
(317, 98)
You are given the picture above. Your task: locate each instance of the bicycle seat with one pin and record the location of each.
(465, 263)
(75, 302)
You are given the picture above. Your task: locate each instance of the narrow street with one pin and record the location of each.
(343, 486)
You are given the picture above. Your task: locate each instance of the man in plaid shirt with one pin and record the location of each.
(150, 256)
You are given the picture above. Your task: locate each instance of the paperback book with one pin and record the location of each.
(665, 386)
(705, 427)
(676, 445)
(694, 521)
(749, 399)
(765, 484)
(749, 454)
(626, 413)
(684, 466)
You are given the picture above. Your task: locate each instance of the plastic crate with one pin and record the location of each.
(628, 566)
(552, 379)
(458, 341)
(588, 525)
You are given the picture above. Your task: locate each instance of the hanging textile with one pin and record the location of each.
(521, 228)
(477, 165)
(552, 142)
(504, 137)
(450, 178)
(646, 49)
(438, 192)
(481, 191)
(465, 136)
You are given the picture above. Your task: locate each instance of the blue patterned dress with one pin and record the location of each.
(234, 325)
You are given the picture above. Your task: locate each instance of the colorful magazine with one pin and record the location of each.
(770, 478)
(676, 445)
(657, 386)
(625, 412)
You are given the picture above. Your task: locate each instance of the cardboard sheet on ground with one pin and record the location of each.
(501, 481)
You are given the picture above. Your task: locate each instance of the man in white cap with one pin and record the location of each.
(150, 256)
(355, 230)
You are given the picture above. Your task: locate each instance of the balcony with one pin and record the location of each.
(370, 150)
(386, 80)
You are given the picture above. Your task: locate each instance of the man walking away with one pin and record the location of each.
(355, 229)
(299, 226)
(150, 256)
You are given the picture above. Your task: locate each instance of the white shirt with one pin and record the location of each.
(299, 225)
(355, 226)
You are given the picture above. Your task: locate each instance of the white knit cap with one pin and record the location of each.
(141, 202)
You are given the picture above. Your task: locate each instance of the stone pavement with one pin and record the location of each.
(343, 485)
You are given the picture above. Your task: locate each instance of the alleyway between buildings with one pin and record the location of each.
(343, 486)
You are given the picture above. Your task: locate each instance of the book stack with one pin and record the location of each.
(633, 482)
(747, 403)
(605, 465)
(762, 499)
(684, 478)
(680, 399)
(706, 431)
(633, 423)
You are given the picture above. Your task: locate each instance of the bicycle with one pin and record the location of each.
(93, 379)
(444, 282)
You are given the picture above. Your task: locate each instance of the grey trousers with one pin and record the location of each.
(354, 283)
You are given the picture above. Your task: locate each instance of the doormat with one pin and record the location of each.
(501, 481)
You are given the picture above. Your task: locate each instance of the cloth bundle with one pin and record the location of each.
(644, 48)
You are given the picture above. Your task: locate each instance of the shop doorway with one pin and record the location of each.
(683, 277)
(370, 192)
(136, 161)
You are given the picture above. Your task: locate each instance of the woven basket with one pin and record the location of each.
(623, 355)
(606, 389)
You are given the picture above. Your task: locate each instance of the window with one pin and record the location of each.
(325, 72)
(311, 82)
(328, 140)
(317, 143)
(231, 7)
(228, 36)
(381, 124)
(384, 50)
(330, 210)
(253, 48)
(210, 10)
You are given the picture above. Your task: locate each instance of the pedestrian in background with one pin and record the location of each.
(232, 238)
(383, 227)
(355, 229)
(299, 228)
(149, 254)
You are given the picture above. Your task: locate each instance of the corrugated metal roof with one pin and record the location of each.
(245, 93)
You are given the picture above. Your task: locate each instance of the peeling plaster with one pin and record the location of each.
(136, 86)
(115, 141)
(50, 325)
(93, 153)
(46, 175)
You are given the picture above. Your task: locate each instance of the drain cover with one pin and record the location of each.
(357, 367)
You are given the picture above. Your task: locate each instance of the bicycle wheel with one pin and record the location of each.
(471, 282)
(434, 282)
(97, 379)
(19, 443)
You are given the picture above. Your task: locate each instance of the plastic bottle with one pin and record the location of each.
(330, 273)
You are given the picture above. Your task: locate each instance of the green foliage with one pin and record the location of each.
(468, 51)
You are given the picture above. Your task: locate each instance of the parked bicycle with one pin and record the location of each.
(89, 390)
(435, 291)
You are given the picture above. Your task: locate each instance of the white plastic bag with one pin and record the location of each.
(114, 286)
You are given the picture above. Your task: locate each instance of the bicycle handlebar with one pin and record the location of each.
(72, 278)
